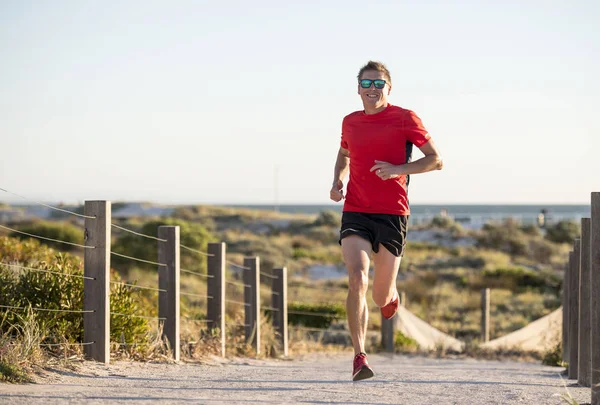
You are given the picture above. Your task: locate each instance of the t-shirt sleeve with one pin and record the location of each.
(414, 129)
(344, 141)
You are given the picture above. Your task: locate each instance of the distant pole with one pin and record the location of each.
(96, 267)
(168, 279)
(595, 266)
(574, 312)
(276, 187)
(485, 315)
(403, 301)
(585, 304)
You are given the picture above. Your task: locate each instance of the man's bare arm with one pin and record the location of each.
(342, 165)
(431, 161)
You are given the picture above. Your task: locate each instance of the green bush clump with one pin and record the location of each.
(54, 230)
(324, 314)
(328, 218)
(563, 232)
(513, 278)
(553, 357)
(404, 343)
(506, 237)
(59, 288)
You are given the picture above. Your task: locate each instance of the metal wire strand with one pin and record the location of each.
(196, 295)
(237, 265)
(238, 284)
(271, 309)
(48, 310)
(48, 206)
(138, 260)
(196, 251)
(137, 233)
(196, 273)
(52, 240)
(314, 314)
(183, 318)
(237, 302)
(138, 286)
(66, 344)
(269, 276)
(47, 271)
(137, 316)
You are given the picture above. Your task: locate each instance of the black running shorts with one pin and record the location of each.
(389, 230)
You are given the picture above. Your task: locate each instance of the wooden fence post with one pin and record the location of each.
(574, 311)
(215, 286)
(595, 266)
(403, 301)
(252, 301)
(96, 291)
(485, 315)
(585, 304)
(566, 310)
(279, 302)
(168, 279)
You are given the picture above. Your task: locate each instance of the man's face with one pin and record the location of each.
(373, 96)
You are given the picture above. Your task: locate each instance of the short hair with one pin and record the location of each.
(378, 66)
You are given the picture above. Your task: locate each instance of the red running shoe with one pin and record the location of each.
(389, 310)
(361, 369)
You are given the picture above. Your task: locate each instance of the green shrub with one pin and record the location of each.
(324, 314)
(404, 343)
(553, 357)
(514, 278)
(442, 222)
(64, 291)
(506, 237)
(328, 218)
(54, 230)
(563, 232)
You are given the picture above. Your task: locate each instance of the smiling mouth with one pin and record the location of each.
(372, 95)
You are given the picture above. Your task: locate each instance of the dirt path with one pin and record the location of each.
(315, 379)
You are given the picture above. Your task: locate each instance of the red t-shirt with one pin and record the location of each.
(384, 136)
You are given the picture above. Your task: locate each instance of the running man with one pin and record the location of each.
(376, 148)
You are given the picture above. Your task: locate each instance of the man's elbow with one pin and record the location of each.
(439, 163)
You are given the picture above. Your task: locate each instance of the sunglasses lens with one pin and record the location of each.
(365, 83)
(379, 84)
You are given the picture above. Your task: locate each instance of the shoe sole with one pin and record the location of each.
(390, 316)
(362, 374)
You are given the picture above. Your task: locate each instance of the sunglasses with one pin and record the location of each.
(366, 83)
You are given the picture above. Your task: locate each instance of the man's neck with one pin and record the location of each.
(375, 110)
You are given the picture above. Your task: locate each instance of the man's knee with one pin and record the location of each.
(358, 280)
(382, 296)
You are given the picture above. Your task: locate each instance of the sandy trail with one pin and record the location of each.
(314, 379)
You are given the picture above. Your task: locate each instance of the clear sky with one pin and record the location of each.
(242, 101)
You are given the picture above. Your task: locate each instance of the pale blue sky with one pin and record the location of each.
(201, 101)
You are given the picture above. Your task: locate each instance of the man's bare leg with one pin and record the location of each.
(384, 279)
(356, 251)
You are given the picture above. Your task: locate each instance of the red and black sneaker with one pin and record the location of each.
(361, 369)
(390, 309)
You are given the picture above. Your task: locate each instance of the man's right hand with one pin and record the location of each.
(337, 191)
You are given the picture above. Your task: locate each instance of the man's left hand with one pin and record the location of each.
(385, 170)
